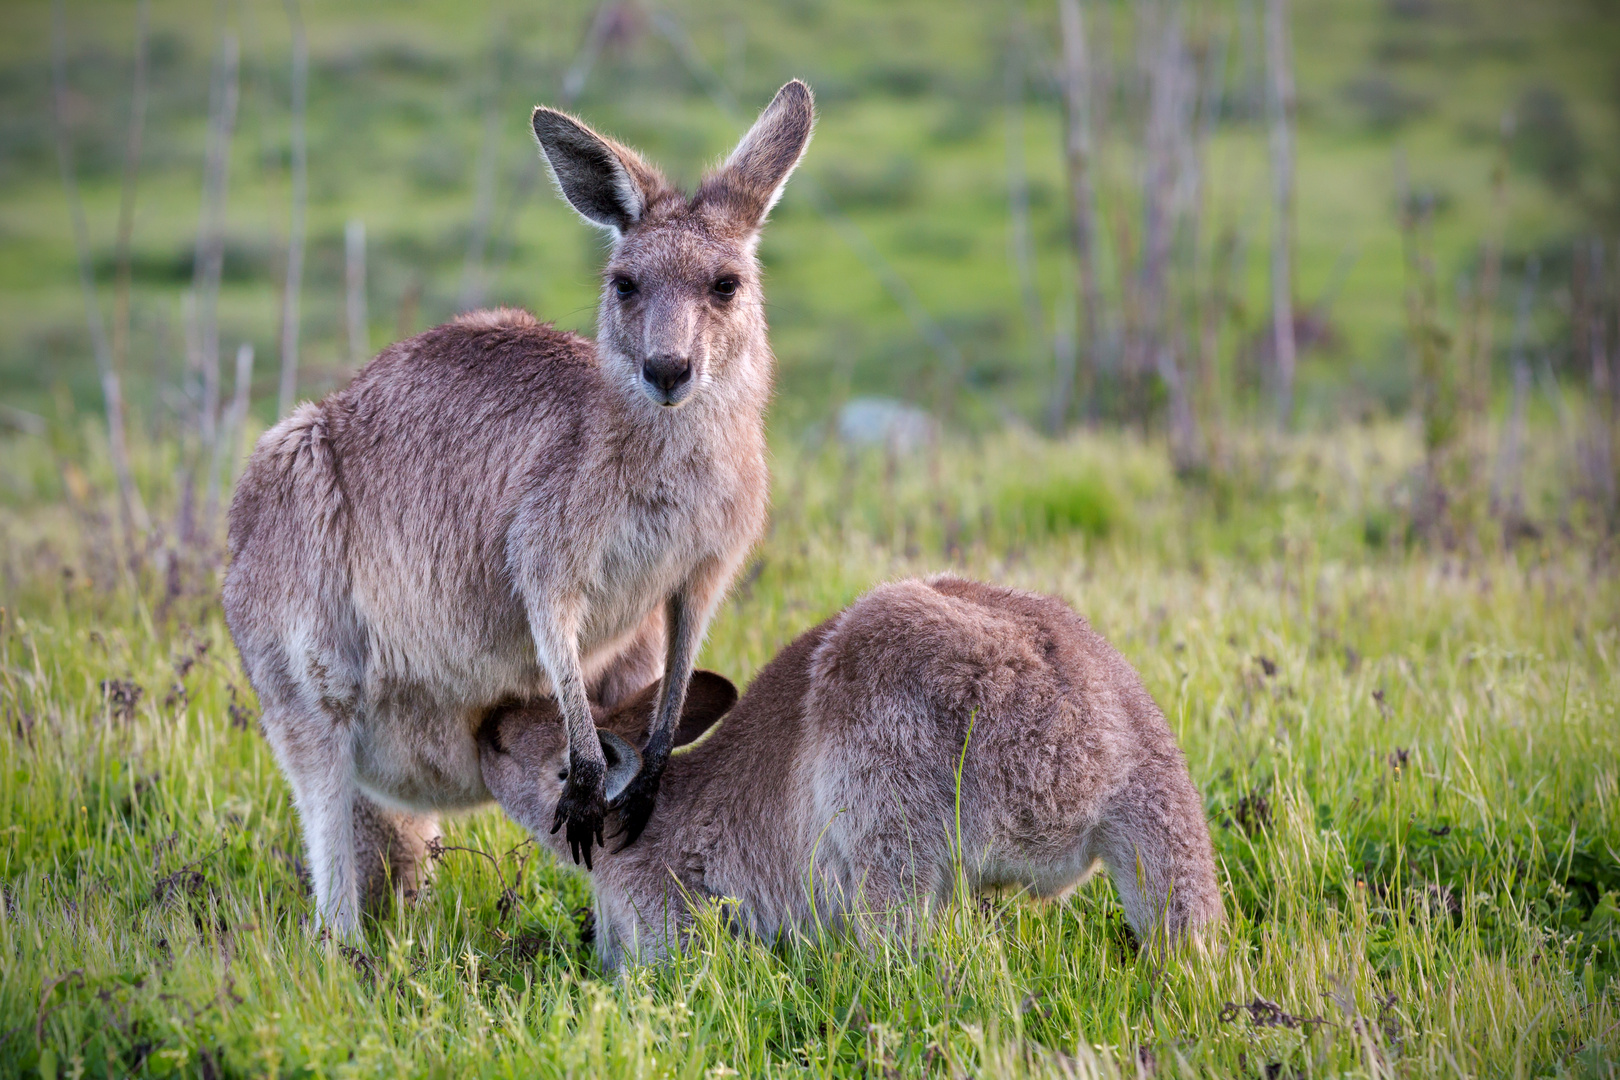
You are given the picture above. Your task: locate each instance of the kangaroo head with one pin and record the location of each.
(682, 309)
(523, 749)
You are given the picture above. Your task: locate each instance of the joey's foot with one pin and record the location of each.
(635, 806)
(581, 809)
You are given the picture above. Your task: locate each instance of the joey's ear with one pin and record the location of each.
(520, 726)
(606, 182)
(623, 764)
(709, 696)
(751, 180)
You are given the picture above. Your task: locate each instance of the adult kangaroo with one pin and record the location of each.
(497, 509)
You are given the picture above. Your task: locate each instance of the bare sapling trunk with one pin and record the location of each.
(1483, 332)
(1158, 183)
(295, 231)
(1279, 60)
(211, 259)
(126, 200)
(1208, 295)
(474, 280)
(185, 525)
(210, 255)
(1507, 488)
(1021, 252)
(602, 25)
(1430, 347)
(1079, 156)
(1599, 448)
(354, 289)
(1214, 301)
(227, 449)
(131, 512)
(1065, 356)
(1171, 163)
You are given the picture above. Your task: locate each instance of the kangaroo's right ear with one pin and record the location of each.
(606, 182)
(709, 696)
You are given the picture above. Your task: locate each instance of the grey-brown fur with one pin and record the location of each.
(844, 753)
(496, 509)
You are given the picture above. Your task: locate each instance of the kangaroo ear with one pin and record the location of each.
(623, 764)
(606, 182)
(511, 719)
(751, 180)
(709, 696)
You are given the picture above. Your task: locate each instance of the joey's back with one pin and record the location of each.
(931, 725)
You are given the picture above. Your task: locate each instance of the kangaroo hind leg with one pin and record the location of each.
(1155, 842)
(392, 852)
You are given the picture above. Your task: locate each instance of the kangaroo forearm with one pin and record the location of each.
(555, 636)
(685, 622)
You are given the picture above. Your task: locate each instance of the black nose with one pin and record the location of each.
(666, 373)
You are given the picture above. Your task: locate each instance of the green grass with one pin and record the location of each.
(1409, 761)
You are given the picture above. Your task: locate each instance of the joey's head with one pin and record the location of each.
(523, 749)
(682, 310)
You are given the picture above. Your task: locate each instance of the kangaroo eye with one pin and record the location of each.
(726, 286)
(624, 287)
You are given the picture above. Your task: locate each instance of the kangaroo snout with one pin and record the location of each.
(667, 378)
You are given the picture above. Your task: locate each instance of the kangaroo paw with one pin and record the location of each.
(581, 808)
(635, 806)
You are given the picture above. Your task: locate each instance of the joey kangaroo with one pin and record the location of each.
(497, 510)
(832, 789)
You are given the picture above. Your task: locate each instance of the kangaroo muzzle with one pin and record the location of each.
(667, 379)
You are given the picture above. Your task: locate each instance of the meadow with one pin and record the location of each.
(1409, 759)
(1383, 624)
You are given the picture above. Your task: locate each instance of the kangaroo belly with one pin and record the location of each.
(413, 754)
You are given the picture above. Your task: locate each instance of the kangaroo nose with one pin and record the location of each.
(666, 373)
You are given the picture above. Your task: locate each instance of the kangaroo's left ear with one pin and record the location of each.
(709, 696)
(749, 183)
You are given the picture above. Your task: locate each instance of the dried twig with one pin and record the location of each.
(45, 991)
(508, 902)
(1263, 1013)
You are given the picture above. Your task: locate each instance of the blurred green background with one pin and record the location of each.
(414, 106)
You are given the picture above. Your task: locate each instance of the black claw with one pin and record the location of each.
(580, 809)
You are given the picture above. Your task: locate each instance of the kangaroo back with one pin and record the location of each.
(956, 720)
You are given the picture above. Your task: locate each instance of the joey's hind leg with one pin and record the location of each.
(391, 849)
(1155, 842)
